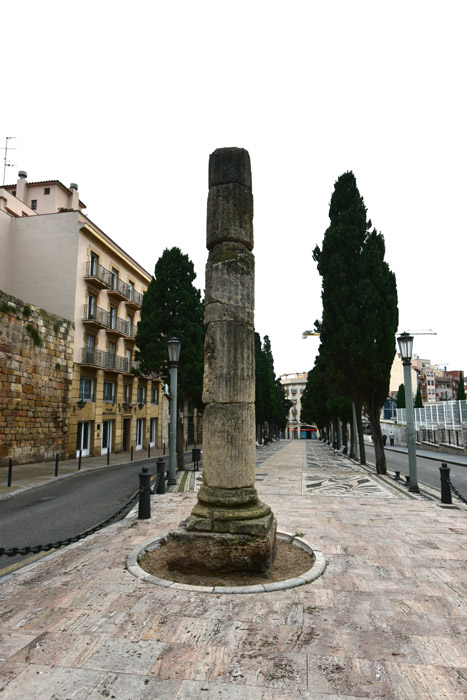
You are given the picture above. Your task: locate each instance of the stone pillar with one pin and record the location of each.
(229, 529)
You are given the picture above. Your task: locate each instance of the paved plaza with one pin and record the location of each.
(387, 619)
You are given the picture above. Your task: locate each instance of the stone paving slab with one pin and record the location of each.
(387, 619)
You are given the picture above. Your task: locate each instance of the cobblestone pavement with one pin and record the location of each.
(387, 619)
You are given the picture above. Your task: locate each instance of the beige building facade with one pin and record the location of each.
(294, 386)
(59, 260)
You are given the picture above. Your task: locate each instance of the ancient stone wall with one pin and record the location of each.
(36, 361)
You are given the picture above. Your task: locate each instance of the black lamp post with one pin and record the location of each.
(405, 341)
(174, 355)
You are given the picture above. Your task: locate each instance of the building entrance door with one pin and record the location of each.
(83, 438)
(139, 433)
(126, 434)
(106, 437)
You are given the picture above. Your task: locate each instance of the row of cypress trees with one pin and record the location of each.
(359, 321)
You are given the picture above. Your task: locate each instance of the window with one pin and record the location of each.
(90, 345)
(46, 190)
(94, 264)
(34, 204)
(92, 307)
(141, 394)
(113, 317)
(127, 393)
(127, 360)
(109, 392)
(154, 395)
(112, 353)
(114, 274)
(131, 287)
(86, 387)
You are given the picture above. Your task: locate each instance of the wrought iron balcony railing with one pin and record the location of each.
(105, 360)
(100, 316)
(97, 272)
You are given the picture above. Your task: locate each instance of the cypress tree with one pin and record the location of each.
(360, 313)
(418, 403)
(460, 396)
(172, 307)
(400, 398)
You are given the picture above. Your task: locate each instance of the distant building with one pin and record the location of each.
(456, 374)
(294, 386)
(56, 258)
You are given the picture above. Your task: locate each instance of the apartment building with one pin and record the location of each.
(55, 257)
(294, 386)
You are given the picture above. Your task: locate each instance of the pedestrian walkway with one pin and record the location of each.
(32, 475)
(387, 619)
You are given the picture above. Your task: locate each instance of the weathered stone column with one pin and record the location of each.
(229, 528)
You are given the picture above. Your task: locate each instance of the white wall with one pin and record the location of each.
(41, 254)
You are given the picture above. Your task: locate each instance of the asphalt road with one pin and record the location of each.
(427, 469)
(62, 509)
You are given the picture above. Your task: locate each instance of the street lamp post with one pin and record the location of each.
(174, 355)
(405, 346)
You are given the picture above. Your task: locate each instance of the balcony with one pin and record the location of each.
(104, 360)
(119, 327)
(95, 317)
(118, 289)
(97, 275)
(134, 299)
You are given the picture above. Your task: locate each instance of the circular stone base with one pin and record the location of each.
(319, 565)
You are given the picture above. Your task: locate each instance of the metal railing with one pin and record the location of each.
(94, 269)
(97, 314)
(105, 360)
(449, 415)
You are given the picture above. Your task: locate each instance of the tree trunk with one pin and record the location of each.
(373, 416)
(344, 437)
(358, 414)
(353, 437)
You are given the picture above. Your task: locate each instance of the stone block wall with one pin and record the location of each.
(36, 362)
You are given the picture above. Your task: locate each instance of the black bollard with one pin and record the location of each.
(108, 456)
(398, 476)
(446, 497)
(131, 453)
(195, 458)
(56, 464)
(79, 460)
(407, 480)
(144, 505)
(163, 445)
(149, 451)
(10, 471)
(160, 465)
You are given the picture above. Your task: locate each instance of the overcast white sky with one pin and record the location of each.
(129, 99)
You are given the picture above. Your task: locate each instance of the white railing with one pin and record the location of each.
(449, 415)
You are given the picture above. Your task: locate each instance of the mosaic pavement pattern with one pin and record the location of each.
(328, 473)
(387, 619)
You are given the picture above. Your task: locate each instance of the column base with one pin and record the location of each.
(221, 552)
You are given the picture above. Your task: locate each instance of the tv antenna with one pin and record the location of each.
(6, 164)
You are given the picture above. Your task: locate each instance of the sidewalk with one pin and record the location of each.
(459, 460)
(32, 475)
(387, 618)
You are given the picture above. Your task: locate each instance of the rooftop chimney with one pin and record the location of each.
(21, 186)
(74, 196)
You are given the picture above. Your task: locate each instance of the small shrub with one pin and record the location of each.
(34, 333)
(27, 311)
